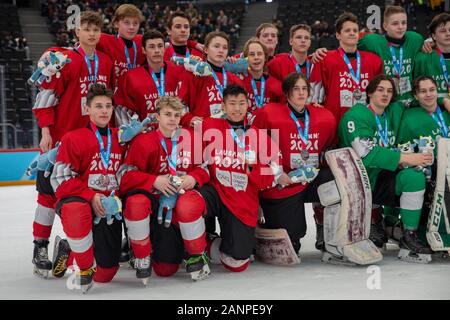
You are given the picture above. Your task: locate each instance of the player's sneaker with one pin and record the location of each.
(42, 265)
(61, 253)
(197, 266)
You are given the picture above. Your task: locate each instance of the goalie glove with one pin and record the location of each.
(240, 67)
(44, 162)
(168, 203)
(113, 208)
(198, 68)
(128, 131)
(303, 174)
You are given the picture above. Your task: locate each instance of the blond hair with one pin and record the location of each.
(170, 102)
(127, 11)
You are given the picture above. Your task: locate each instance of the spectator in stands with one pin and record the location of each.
(192, 11)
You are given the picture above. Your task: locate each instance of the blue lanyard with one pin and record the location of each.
(297, 66)
(303, 137)
(382, 133)
(444, 67)
(127, 56)
(259, 99)
(172, 158)
(240, 143)
(159, 87)
(105, 156)
(355, 77)
(88, 64)
(440, 121)
(398, 64)
(216, 80)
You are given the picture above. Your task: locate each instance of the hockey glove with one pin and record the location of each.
(128, 131)
(44, 162)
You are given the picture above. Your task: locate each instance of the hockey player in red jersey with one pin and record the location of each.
(143, 86)
(59, 108)
(304, 132)
(84, 178)
(240, 166)
(160, 164)
(261, 88)
(267, 33)
(179, 30)
(203, 95)
(340, 79)
(124, 48)
(297, 60)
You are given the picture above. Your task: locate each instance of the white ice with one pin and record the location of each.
(311, 279)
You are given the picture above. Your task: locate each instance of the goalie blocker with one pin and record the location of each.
(347, 214)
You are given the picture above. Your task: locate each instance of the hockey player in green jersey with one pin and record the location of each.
(371, 131)
(427, 121)
(437, 64)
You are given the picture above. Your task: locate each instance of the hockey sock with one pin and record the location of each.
(137, 218)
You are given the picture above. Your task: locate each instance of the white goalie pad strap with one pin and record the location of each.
(362, 146)
(44, 216)
(80, 245)
(45, 99)
(192, 230)
(328, 193)
(412, 200)
(138, 230)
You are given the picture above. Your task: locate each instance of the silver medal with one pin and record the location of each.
(104, 180)
(175, 181)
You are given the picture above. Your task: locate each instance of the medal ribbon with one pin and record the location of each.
(104, 155)
(444, 67)
(440, 121)
(398, 64)
(355, 77)
(297, 66)
(225, 81)
(159, 85)
(383, 134)
(127, 55)
(259, 99)
(92, 79)
(172, 156)
(303, 137)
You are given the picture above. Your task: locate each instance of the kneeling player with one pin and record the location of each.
(371, 131)
(234, 152)
(304, 131)
(159, 164)
(423, 127)
(83, 178)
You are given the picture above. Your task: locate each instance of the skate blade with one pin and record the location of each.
(200, 274)
(336, 260)
(408, 256)
(41, 273)
(85, 288)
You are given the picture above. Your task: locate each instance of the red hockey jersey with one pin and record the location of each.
(272, 91)
(115, 47)
(79, 170)
(238, 186)
(283, 64)
(146, 160)
(60, 103)
(321, 134)
(169, 52)
(138, 92)
(201, 95)
(332, 84)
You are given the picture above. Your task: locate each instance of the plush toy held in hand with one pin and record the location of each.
(128, 131)
(44, 162)
(303, 174)
(113, 208)
(198, 68)
(49, 65)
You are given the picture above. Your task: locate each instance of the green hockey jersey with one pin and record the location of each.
(428, 64)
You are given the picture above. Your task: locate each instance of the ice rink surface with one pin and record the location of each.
(311, 279)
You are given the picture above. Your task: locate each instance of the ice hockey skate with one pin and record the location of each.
(85, 280)
(198, 266)
(348, 208)
(61, 251)
(42, 265)
(143, 269)
(412, 249)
